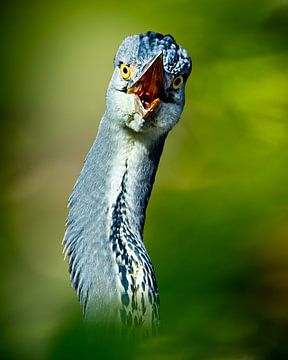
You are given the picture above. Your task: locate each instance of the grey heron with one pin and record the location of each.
(109, 266)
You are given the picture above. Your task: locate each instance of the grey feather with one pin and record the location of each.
(108, 263)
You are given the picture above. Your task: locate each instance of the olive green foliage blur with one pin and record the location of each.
(216, 226)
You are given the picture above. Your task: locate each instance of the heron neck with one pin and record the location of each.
(106, 219)
(124, 165)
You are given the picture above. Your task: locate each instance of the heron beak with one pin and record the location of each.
(149, 87)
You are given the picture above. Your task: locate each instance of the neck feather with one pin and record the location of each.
(109, 265)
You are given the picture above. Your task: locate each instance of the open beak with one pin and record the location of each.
(150, 87)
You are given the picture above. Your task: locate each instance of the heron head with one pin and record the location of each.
(146, 92)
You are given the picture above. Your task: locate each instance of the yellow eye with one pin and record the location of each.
(125, 71)
(178, 82)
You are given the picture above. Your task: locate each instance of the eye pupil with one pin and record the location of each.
(177, 81)
(125, 70)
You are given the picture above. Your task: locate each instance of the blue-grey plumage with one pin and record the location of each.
(109, 265)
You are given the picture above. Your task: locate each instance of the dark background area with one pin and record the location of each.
(216, 225)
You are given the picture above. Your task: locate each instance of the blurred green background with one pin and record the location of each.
(216, 226)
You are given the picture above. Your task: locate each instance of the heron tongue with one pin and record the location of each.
(150, 86)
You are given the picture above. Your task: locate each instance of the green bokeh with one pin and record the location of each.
(216, 225)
